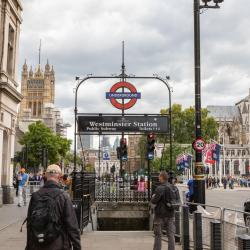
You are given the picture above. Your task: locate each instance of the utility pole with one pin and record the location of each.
(123, 76)
(199, 178)
(199, 173)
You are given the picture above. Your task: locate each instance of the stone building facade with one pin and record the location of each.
(234, 136)
(10, 21)
(38, 103)
(134, 159)
(38, 90)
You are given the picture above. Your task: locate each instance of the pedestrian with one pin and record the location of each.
(15, 183)
(225, 182)
(166, 201)
(218, 182)
(51, 220)
(190, 186)
(43, 180)
(23, 180)
(141, 185)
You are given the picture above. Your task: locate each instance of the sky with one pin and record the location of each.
(83, 37)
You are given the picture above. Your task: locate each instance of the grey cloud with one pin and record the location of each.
(85, 37)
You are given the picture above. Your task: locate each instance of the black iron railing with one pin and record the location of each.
(121, 190)
(83, 196)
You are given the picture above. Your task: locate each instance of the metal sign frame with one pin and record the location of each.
(123, 76)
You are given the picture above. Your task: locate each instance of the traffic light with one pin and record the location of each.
(123, 149)
(118, 152)
(112, 169)
(151, 146)
(43, 155)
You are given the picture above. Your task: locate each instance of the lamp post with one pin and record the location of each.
(199, 181)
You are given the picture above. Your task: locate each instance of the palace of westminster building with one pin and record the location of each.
(234, 136)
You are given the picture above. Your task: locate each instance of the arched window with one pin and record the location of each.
(34, 109)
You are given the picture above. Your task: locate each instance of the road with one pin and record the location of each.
(230, 198)
(233, 199)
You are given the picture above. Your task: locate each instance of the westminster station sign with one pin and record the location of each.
(127, 123)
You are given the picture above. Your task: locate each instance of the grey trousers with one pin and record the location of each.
(169, 225)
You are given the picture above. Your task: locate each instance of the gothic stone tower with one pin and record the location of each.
(38, 88)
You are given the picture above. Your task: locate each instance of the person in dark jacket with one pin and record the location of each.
(164, 214)
(70, 234)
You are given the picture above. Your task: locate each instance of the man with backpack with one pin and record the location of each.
(167, 200)
(51, 220)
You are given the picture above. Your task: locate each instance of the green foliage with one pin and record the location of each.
(38, 137)
(177, 149)
(183, 124)
(69, 159)
(90, 168)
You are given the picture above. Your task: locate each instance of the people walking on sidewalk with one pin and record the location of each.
(51, 220)
(23, 179)
(165, 199)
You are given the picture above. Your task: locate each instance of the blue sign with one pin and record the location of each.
(106, 156)
(124, 158)
(150, 156)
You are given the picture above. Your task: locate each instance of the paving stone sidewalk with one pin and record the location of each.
(10, 214)
(12, 239)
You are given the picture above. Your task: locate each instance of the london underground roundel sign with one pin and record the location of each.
(123, 95)
(199, 144)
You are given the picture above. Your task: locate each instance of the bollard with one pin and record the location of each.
(197, 231)
(244, 242)
(215, 232)
(185, 228)
(177, 227)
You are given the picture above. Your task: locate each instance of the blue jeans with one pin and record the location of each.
(21, 195)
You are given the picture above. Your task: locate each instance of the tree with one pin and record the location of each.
(90, 168)
(183, 124)
(177, 149)
(39, 138)
(69, 159)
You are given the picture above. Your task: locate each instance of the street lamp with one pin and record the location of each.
(199, 179)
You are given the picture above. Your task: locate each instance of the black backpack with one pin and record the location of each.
(172, 197)
(45, 222)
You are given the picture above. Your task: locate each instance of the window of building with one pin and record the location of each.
(227, 167)
(39, 108)
(13, 121)
(10, 55)
(236, 168)
(247, 167)
(2, 117)
(34, 109)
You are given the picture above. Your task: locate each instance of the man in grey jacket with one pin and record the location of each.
(68, 237)
(164, 212)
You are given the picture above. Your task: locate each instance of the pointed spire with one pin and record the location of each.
(52, 70)
(47, 66)
(31, 72)
(38, 72)
(25, 67)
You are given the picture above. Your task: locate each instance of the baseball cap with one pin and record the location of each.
(53, 169)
